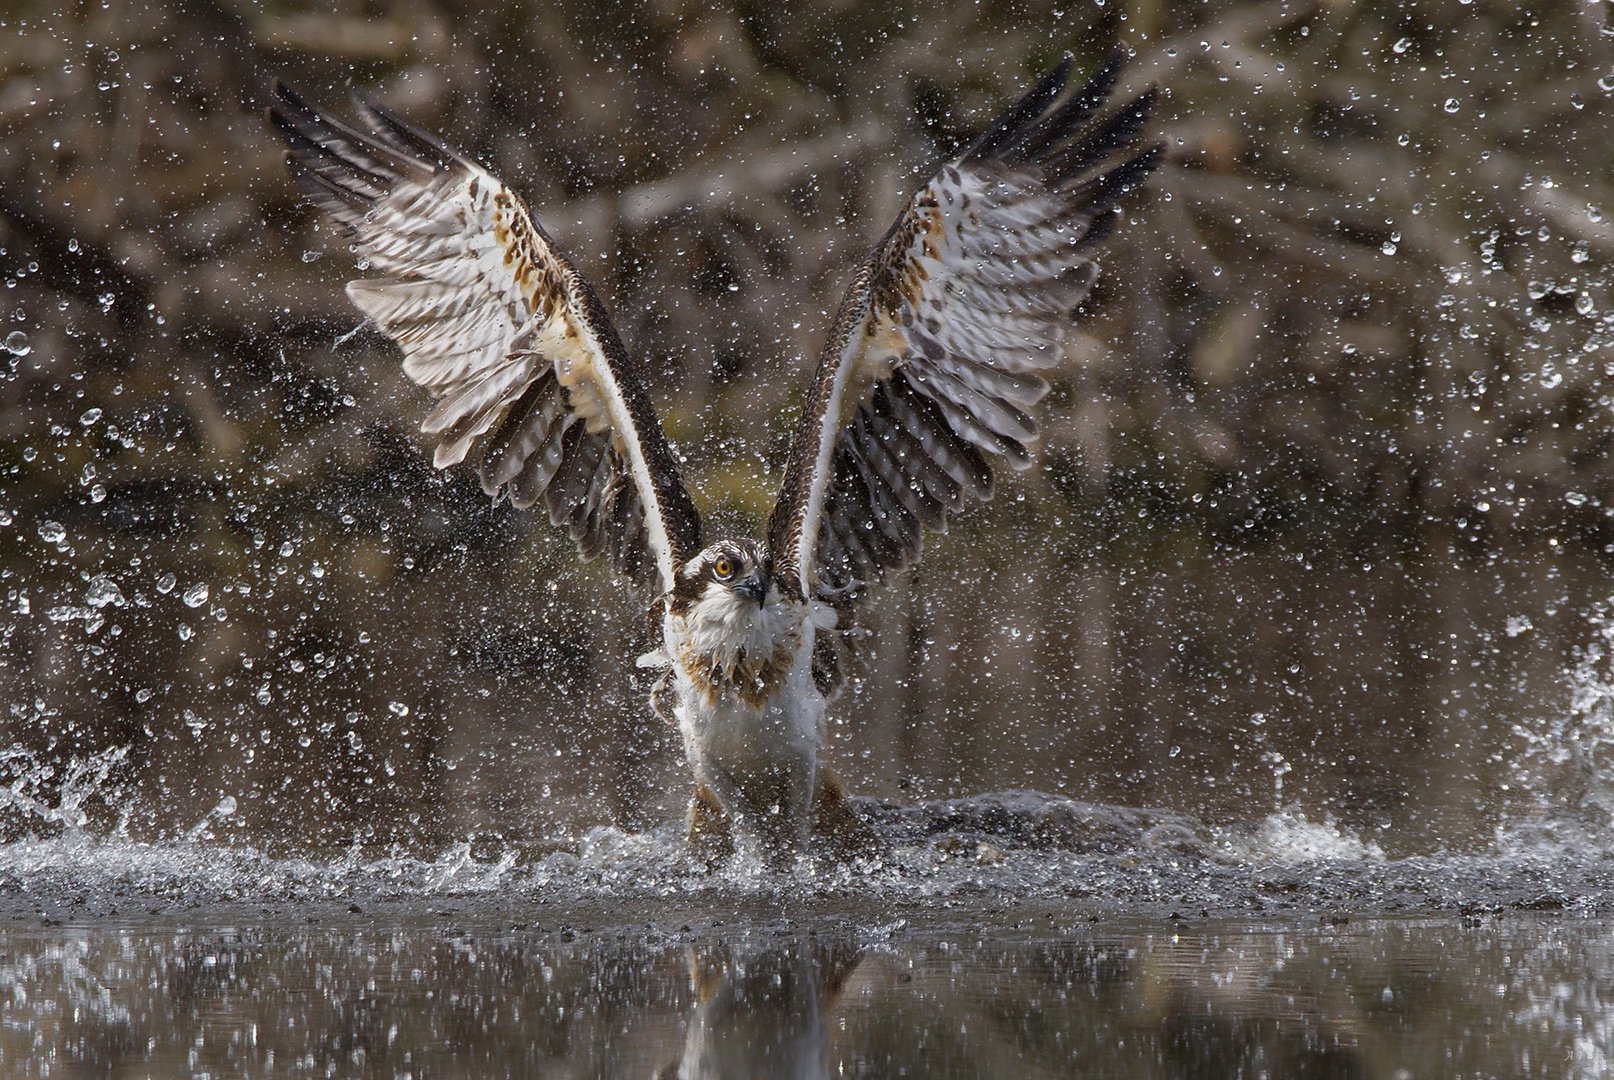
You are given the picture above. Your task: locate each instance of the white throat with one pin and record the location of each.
(725, 627)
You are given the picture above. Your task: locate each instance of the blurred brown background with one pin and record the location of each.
(1321, 505)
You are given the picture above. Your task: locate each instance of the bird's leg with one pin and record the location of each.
(838, 829)
(799, 821)
(711, 839)
(760, 810)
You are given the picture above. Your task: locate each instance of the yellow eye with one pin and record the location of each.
(723, 568)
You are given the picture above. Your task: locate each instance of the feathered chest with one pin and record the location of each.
(727, 646)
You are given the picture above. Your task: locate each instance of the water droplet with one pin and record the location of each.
(1451, 105)
(195, 596)
(1401, 46)
(1583, 304)
(17, 343)
(166, 583)
(5, 518)
(1574, 498)
(264, 696)
(142, 695)
(72, 245)
(398, 708)
(103, 591)
(90, 416)
(286, 549)
(185, 632)
(52, 532)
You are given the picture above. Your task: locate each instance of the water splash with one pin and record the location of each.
(1288, 836)
(225, 808)
(1568, 757)
(50, 798)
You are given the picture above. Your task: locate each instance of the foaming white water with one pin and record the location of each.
(57, 850)
(989, 852)
(1287, 836)
(1566, 764)
(191, 870)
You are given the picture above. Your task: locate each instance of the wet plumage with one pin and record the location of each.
(929, 371)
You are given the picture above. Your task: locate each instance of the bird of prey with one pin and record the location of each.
(927, 374)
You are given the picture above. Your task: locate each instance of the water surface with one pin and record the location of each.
(343, 991)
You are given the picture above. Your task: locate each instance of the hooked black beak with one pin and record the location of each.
(754, 585)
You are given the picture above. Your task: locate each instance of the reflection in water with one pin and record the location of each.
(1379, 999)
(762, 1012)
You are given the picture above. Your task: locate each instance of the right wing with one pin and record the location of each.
(528, 372)
(934, 359)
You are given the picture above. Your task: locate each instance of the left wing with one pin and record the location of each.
(932, 360)
(528, 372)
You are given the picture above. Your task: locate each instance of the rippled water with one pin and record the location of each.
(457, 991)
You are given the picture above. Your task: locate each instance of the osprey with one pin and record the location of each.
(928, 372)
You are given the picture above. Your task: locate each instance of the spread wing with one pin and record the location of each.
(931, 363)
(529, 375)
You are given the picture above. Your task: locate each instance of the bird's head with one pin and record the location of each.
(729, 571)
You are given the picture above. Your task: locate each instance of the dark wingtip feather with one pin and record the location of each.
(344, 206)
(1126, 176)
(1013, 119)
(287, 98)
(1062, 121)
(1115, 133)
(403, 136)
(363, 164)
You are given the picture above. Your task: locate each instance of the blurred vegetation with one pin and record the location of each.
(1337, 418)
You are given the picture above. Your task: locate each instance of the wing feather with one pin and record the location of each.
(933, 359)
(528, 430)
(529, 375)
(938, 442)
(886, 450)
